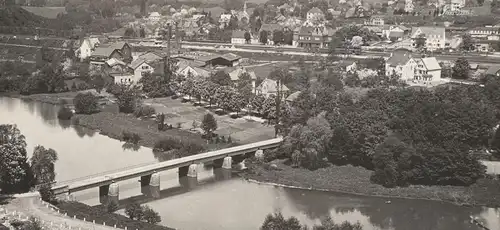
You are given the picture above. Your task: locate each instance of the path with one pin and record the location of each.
(31, 206)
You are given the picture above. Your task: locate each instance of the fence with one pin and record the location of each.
(65, 214)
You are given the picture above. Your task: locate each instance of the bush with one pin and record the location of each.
(86, 103)
(64, 113)
(144, 111)
(134, 211)
(111, 207)
(100, 215)
(130, 137)
(151, 216)
(185, 147)
(47, 194)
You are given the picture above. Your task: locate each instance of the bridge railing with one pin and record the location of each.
(66, 182)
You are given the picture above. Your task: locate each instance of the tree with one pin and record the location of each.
(277, 221)
(33, 224)
(15, 173)
(142, 32)
(221, 78)
(328, 224)
(224, 96)
(257, 102)
(420, 41)
(263, 37)
(151, 216)
(97, 81)
(43, 164)
(467, 43)
(461, 69)
(209, 124)
(46, 193)
(247, 37)
(86, 103)
(356, 41)
(134, 211)
(155, 86)
(278, 37)
(127, 97)
(129, 32)
(288, 38)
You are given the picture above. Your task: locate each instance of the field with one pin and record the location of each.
(241, 130)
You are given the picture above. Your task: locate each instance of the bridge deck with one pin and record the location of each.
(162, 166)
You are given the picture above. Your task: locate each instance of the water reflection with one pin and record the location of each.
(400, 214)
(131, 147)
(82, 131)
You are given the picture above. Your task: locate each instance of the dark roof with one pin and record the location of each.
(398, 58)
(231, 57)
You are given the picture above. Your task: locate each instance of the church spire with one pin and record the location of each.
(245, 7)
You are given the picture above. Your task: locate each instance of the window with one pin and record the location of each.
(145, 67)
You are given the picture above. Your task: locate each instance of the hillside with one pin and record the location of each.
(15, 16)
(46, 12)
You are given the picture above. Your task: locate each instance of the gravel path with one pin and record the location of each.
(31, 206)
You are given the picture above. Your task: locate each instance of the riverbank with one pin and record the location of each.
(356, 181)
(53, 99)
(113, 124)
(100, 216)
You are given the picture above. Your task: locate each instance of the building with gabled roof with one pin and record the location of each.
(117, 50)
(269, 87)
(435, 37)
(428, 70)
(315, 14)
(402, 64)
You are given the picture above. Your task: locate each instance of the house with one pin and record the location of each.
(313, 37)
(483, 32)
(117, 50)
(236, 74)
(154, 17)
(401, 63)
(427, 70)
(394, 32)
(209, 59)
(375, 21)
(435, 37)
(269, 87)
(315, 14)
(238, 37)
(194, 71)
(87, 47)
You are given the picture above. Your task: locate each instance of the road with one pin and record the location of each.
(31, 206)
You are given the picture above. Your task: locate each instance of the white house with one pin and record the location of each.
(236, 74)
(402, 64)
(269, 87)
(194, 71)
(140, 66)
(154, 17)
(315, 14)
(427, 70)
(435, 37)
(87, 47)
(238, 37)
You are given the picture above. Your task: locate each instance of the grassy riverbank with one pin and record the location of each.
(112, 124)
(54, 99)
(100, 215)
(356, 180)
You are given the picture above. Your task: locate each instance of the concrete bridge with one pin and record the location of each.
(150, 177)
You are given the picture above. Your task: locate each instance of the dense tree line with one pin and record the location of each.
(406, 135)
(17, 173)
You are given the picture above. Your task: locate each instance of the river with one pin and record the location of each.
(221, 204)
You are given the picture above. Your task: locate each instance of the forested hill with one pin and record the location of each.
(15, 16)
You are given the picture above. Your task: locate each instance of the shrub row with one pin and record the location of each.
(100, 215)
(130, 137)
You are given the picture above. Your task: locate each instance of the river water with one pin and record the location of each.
(220, 204)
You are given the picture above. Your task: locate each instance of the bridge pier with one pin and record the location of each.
(150, 185)
(259, 154)
(188, 176)
(222, 168)
(109, 193)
